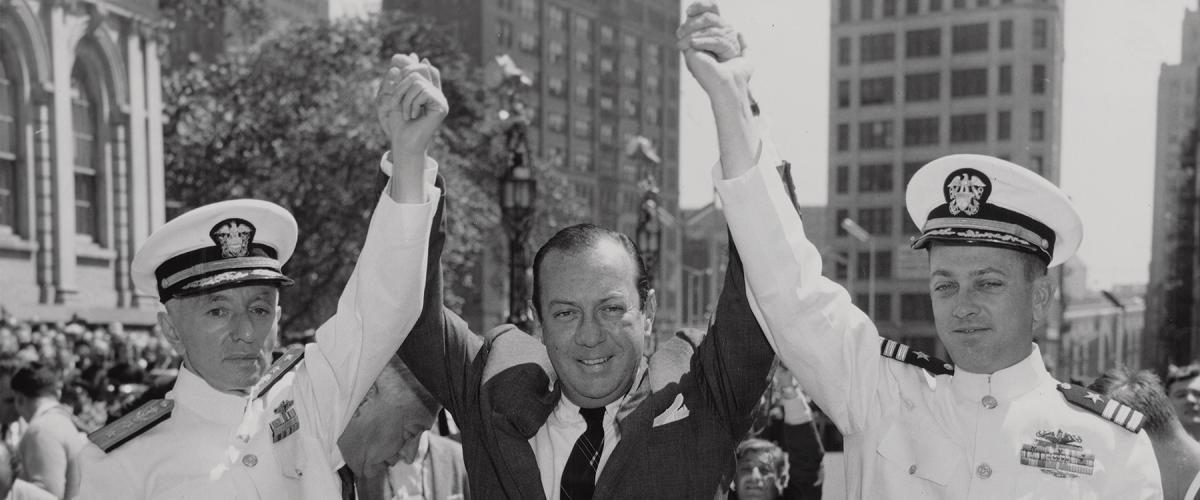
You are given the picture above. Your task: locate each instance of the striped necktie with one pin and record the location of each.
(347, 477)
(579, 476)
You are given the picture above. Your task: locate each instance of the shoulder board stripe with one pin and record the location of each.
(900, 352)
(111, 436)
(1109, 409)
(281, 366)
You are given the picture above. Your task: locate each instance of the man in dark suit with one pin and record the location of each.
(589, 411)
(389, 448)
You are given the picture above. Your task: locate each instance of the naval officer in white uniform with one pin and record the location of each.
(232, 428)
(997, 425)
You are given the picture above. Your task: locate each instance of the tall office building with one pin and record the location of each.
(913, 80)
(604, 73)
(1169, 297)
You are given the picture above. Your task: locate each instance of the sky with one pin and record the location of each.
(1113, 52)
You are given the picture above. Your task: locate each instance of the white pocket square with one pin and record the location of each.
(674, 413)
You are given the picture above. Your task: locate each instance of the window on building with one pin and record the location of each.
(653, 55)
(631, 107)
(1037, 125)
(916, 307)
(630, 75)
(630, 43)
(877, 47)
(556, 18)
(607, 134)
(883, 301)
(844, 51)
(583, 95)
(583, 27)
(969, 38)
(607, 66)
(923, 131)
(506, 4)
(607, 35)
(653, 85)
(527, 9)
(528, 43)
(922, 87)
(556, 122)
(983, 3)
(583, 161)
(583, 128)
(907, 226)
(607, 102)
(652, 116)
(9, 140)
(842, 179)
(843, 90)
(866, 9)
(968, 128)
(912, 7)
(504, 33)
(969, 82)
(877, 221)
(1038, 75)
(923, 43)
(875, 91)
(843, 137)
(845, 13)
(841, 271)
(88, 159)
(910, 169)
(875, 134)
(875, 178)
(583, 61)
(1036, 165)
(889, 8)
(1006, 34)
(556, 86)
(1004, 80)
(1003, 125)
(960, 4)
(1041, 34)
(935, 5)
(840, 215)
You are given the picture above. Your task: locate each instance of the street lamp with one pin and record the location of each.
(862, 235)
(649, 226)
(518, 188)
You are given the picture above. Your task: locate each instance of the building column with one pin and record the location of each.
(43, 194)
(63, 147)
(136, 179)
(120, 193)
(154, 124)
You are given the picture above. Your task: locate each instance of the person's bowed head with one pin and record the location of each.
(387, 426)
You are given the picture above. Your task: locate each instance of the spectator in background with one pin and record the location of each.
(786, 422)
(48, 448)
(13, 488)
(389, 448)
(1183, 387)
(10, 424)
(1177, 452)
(762, 471)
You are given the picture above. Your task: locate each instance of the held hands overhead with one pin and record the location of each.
(411, 107)
(715, 53)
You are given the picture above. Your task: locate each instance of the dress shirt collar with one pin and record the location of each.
(567, 412)
(193, 393)
(1006, 384)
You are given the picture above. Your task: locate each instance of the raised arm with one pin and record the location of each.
(830, 346)
(383, 298)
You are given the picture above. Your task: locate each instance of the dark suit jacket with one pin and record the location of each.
(498, 388)
(449, 474)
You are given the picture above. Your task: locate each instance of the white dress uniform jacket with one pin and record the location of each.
(908, 434)
(221, 446)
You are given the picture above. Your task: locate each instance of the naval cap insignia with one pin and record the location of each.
(234, 236)
(966, 190)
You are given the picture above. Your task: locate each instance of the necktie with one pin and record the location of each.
(347, 477)
(579, 476)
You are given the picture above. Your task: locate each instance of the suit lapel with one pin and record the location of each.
(633, 422)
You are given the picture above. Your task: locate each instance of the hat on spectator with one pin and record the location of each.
(217, 246)
(981, 200)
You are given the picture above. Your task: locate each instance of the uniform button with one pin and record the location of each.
(249, 460)
(912, 469)
(989, 402)
(983, 471)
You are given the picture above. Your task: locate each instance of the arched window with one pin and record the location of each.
(88, 157)
(9, 144)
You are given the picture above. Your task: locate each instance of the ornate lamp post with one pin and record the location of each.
(649, 226)
(518, 188)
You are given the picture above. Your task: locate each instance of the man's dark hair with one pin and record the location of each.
(1181, 373)
(579, 238)
(1140, 390)
(35, 380)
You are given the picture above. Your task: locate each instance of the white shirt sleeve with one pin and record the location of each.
(375, 312)
(828, 344)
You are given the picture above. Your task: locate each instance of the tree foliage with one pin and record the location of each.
(291, 119)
